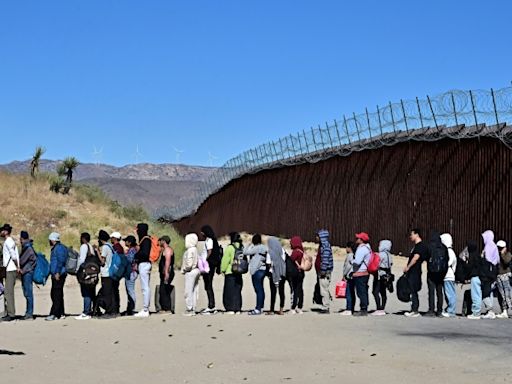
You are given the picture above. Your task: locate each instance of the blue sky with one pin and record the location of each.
(224, 76)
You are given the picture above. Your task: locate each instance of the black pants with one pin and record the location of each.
(317, 296)
(361, 283)
(435, 291)
(115, 295)
(379, 292)
(57, 296)
(232, 295)
(298, 290)
(208, 287)
(107, 295)
(273, 292)
(486, 287)
(165, 295)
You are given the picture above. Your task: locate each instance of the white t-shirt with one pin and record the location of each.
(106, 252)
(85, 249)
(208, 245)
(10, 255)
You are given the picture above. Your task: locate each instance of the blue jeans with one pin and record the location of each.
(476, 295)
(28, 293)
(351, 295)
(89, 295)
(257, 282)
(451, 296)
(361, 283)
(130, 292)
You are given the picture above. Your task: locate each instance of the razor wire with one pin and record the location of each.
(454, 114)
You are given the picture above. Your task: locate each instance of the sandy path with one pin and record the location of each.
(239, 349)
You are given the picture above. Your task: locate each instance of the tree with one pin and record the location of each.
(36, 159)
(70, 163)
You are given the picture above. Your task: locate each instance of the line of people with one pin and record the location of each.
(488, 273)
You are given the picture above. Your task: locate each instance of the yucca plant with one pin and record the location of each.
(70, 163)
(36, 159)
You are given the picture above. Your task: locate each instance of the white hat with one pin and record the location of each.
(501, 244)
(116, 235)
(54, 236)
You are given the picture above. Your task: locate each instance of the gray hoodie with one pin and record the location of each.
(258, 255)
(386, 258)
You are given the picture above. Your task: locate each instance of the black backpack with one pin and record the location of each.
(403, 289)
(438, 259)
(240, 264)
(89, 271)
(462, 271)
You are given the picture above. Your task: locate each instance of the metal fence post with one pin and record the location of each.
(337, 131)
(433, 114)
(473, 106)
(454, 110)
(346, 129)
(392, 117)
(368, 121)
(495, 109)
(357, 128)
(380, 122)
(329, 134)
(419, 112)
(405, 116)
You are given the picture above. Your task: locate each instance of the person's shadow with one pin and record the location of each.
(11, 353)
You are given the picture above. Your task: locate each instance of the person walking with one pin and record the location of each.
(489, 274)
(233, 282)
(380, 280)
(503, 280)
(360, 274)
(211, 253)
(58, 257)
(449, 280)
(131, 244)
(418, 255)
(11, 262)
(166, 271)
(276, 266)
(348, 269)
(28, 260)
(325, 268)
(144, 267)
(257, 252)
(88, 291)
(191, 271)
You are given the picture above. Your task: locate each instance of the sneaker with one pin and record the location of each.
(83, 316)
(28, 317)
(189, 313)
(429, 314)
(51, 318)
(412, 314)
(379, 312)
(474, 317)
(142, 313)
(346, 313)
(280, 312)
(324, 311)
(8, 319)
(293, 312)
(254, 312)
(206, 312)
(230, 313)
(503, 315)
(489, 315)
(360, 314)
(300, 311)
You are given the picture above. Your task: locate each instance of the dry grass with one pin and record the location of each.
(29, 205)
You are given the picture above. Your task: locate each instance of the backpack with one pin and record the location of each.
(89, 272)
(240, 264)
(156, 250)
(220, 254)
(373, 265)
(117, 269)
(306, 263)
(72, 261)
(462, 271)
(42, 270)
(403, 289)
(438, 260)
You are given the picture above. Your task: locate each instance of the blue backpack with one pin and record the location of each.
(118, 266)
(42, 270)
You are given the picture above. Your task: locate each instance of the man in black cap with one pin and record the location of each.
(28, 260)
(11, 263)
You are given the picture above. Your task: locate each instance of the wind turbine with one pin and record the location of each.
(97, 154)
(211, 158)
(178, 154)
(138, 154)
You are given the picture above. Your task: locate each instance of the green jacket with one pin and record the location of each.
(227, 259)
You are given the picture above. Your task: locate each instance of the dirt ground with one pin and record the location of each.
(309, 348)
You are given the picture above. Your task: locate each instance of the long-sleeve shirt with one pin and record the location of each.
(58, 259)
(227, 259)
(28, 259)
(10, 255)
(362, 259)
(452, 266)
(142, 256)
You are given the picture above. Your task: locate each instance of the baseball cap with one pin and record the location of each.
(54, 236)
(501, 244)
(363, 236)
(116, 235)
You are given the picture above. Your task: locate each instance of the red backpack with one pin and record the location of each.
(373, 265)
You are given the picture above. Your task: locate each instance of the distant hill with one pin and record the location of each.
(150, 185)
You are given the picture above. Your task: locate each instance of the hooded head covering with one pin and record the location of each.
(447, 240)
(191, 240)
(296, 243)
(490, 249)
(385, 246)
(208, 231)
(435, 239)
(275, 251)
